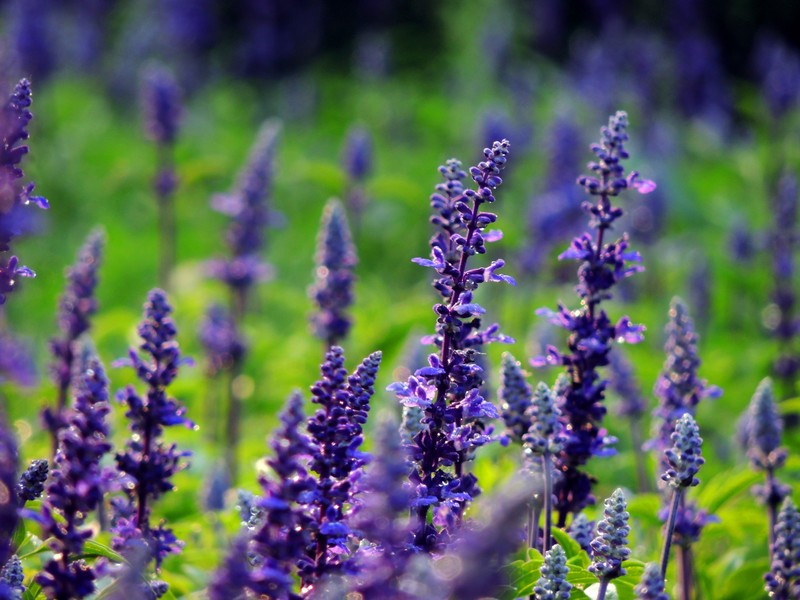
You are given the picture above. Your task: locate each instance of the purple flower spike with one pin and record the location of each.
(161, 105)
(221, 340)
(76, 488)
(357, 154)
(582, 531)
(148, 463)
(609, 547)
(12, 580)
(684, 457)
(333, 290)
(8, 488)
(603, 264)
(651, 586)
(765, 427)
(783, 579)
(448, 393)
(14, 195)
(515, 397)
(31, 482)
(553, 584)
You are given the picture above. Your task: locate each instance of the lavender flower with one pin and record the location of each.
(684, 462)
(221, 340)
(582, 531)
(16, 360)
(76, 305)
(651, 586)
(31, 482)
(515, 397)
(783, 579)
(778, 68)
(608, 548)
(333, 290)
(8, 488)
(553, 584)
(161, 105)
(148, 463)
(336, 434)
(14, 196)
(76, 488)
(12, 580)
(603, 264)
(357, 164)
(250, 215)
(448, 390)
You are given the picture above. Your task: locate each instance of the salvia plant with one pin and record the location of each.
(609, 547)
(651, 586)
(553, 584)
(783, 578)
(603, 263)
(332, 291)
(162, 111)
(75, 308)
(357, 161)
(148, 463)
(448, 390)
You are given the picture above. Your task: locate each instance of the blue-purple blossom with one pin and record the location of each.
(75, 307)
(9, 502)
(148, 463)
(76, 488)
(250, 213)
(221, 340)
(161, 105)
(14, 195)
(357, 154)
(544, 433)
(609, 546)
(31, 482)
(602, 265)
(332, 291)
(582, 531)
(448, 390)
(684, 458)
(764, 428)
(553, 584)
(778, 69)
(16, 360)
(651, 585)
(515, 397)
(783, 578)
(12, 580)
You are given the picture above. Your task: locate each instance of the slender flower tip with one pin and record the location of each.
(357, 153)
(161, 104)
(582, 531)
(609, 546)
(684, 458)
(553, 584)
(764, 427)
(31, 482)
(515, 396)
(651, 586)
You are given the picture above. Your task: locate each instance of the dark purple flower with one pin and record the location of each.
(76, 488)
(76, 305)
(31, 482)
(9, 502)
(582, 531)
(332, 291)
(448, 390)
(651, 586)
(783, 578)
(14, 195)
(148, 463)
(221, 340)
(12, 580)
(161, 105)
(250, 214)
(603, 264)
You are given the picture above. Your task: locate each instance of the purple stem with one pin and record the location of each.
(601, 592)
(685, 572)
(673, 512)
(548, 501)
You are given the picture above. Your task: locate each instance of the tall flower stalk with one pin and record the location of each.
(75, 307)
(148, 463)
(250, 213)
(783, 579)
(162, 109)
(15, 196)
(602, 265)
(357, 164)
(332, 291)
(684, 462)
(609, 549)
(76, 489)
(447, 391)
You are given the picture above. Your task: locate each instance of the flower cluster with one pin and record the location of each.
(76, 488)
(544, 434)
(684, 457)
(162, 110)
(14, 196)
(8, 488)
(651, 586)
(582, 531)
(31, 482)
(357, 164)
(333, 290)
(448, 390)
(515, 397)
(250, 214)
(553, 584)
(783, 579)
(221, 340)
(76, 305)
(602, 265)
(608, 547)
(148, 464)
(12, 580)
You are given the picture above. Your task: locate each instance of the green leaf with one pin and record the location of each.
(522, 576)
(571, 547)
(746, 582)
(33, 591)
(93, 549)
(724, 487)
(37, 546)
(19, 536)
